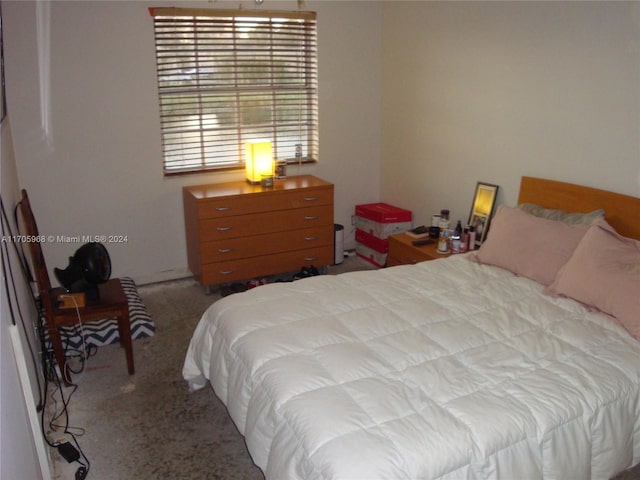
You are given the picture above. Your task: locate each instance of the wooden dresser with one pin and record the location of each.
(238, 231)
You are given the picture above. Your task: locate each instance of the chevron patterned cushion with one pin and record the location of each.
(105, 332)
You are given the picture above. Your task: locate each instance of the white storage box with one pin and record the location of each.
(371, 256)
(381, 230)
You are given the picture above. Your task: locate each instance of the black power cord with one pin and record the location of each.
(81, 473)
(71, 454)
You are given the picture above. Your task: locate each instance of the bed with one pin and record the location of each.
(481, 365)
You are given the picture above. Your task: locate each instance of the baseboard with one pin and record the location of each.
(164, 276)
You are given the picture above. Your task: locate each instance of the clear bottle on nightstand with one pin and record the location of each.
(456, 238)
(444, 221)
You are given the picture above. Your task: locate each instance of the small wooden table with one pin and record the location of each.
(403, 252)
(112, 303)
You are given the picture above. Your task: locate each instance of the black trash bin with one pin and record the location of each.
(338, 244)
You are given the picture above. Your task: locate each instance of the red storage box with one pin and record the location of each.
(379, 244)
(382, 219)
(383, 213)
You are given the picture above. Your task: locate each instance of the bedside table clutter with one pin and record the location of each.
(407, 248)
(375, 223)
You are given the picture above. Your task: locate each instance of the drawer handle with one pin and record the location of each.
(223, 229)
(311, 217)
(310, 239)
(226, 272)
(223, 209)
(225, 250)
(310, 199)
(412, 261)
(310, 259)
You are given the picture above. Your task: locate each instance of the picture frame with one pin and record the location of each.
(484, 201)
(281, 169)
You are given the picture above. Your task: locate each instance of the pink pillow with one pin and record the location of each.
(529, 246)
(604, 272)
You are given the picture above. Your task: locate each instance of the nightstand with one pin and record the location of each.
(403, 252)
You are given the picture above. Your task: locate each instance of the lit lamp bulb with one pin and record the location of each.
(484, 202)
(258, 160)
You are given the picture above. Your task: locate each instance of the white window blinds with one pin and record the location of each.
(226, 77)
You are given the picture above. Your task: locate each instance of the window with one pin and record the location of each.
(226, 77)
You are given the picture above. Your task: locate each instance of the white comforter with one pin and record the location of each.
(444, 369)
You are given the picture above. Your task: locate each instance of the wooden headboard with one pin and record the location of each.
(621, 211)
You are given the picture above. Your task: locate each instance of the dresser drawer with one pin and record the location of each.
(266, 244)
(268, 222)
(264, 202)
(401, 253)
(392, 262)
(241, 269)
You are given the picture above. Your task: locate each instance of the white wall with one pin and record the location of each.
(491, 91)
(82, 90)
(18, 446)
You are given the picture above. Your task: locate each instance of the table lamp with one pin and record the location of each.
(258, 160)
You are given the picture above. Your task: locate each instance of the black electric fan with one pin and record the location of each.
(89, 267)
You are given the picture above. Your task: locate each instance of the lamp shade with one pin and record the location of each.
(258, 160)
